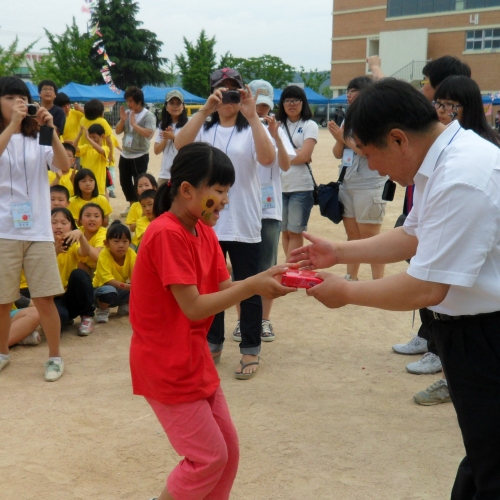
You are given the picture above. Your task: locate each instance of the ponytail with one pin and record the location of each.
(163, 199)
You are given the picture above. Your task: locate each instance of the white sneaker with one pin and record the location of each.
(85, 327)
(4, 362)
(348, 278)
(417, 345)
(123, 310)
(102, 315)
(32, 339)
(125, 212)
(53, 370)
(435, 394)
(430, 363)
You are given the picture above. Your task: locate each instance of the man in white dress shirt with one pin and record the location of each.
(452, 236)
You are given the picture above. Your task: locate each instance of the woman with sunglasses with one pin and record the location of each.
(173, 118)
(229, 122)
(297, 183)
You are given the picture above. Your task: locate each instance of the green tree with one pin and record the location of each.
(197, 65)
(171, 74)
(135, 51)
(11, 59)
(266, 67)
(68, 59)
(314, 78)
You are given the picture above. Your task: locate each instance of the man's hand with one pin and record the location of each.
(321, 254)
(331, 293)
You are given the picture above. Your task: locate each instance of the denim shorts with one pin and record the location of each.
(297, 208)
(270, 237)
(111, 295)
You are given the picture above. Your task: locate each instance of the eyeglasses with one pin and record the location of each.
(424, 82)
(352, 91)
(447, 106)
(291, 102)
(47, 89)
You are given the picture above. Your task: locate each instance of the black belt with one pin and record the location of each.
(446, 317)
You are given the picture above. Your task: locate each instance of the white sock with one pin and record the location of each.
(57, 360)
(4, 356)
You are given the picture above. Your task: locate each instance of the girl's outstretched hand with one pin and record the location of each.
(319, 255)
(72, 237)
(268, 284)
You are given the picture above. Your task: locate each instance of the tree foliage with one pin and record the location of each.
(314, 78)
(266, 67)
(68, 59)
(135, 51)
(11, 59)
(171, 74)
(197, 65)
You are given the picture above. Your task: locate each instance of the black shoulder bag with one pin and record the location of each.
(330, 205)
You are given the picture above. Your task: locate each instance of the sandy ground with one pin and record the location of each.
(330, 414)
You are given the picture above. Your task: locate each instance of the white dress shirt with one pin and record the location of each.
(456, 219)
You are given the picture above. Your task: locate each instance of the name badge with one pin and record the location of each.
(127, 141)
(347, 157)
(22, 215)
(268, 198)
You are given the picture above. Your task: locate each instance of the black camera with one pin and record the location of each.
(66, 243)
(32, 109)
(231, 97)
(389, 190)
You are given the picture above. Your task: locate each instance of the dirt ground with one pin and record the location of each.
(329, 415)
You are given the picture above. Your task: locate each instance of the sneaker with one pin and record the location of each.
(348, 278)
(53, 371)
(112, 194)
(85, 327)
(123, 310)
(435, 394)
(125, 212)
(267, 334)
(417, 345)
(430, 363)
(32, 339)
(4, 362)
(102, 315)
(237, 332)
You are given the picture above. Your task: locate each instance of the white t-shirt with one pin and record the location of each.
(23, 170)
(298, 177)
(241, 219)
(456, 219)
(169, 153)
(271, 176)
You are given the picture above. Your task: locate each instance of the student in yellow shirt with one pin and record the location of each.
(86, 192)
(114, 272)
(142, 183)
(111, 189)
(146, 199)
(71, 246)
(90, 221)
(94, 155)
(59, 197)
(73, 117)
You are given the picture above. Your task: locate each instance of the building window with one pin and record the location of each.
(483, 39)
(396, 8)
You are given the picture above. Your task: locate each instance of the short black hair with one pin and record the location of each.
(97, 128)
(93, 109)
(61, 100)
(47, 83)
(439, 69)
(90, 205)
(136, 94)
(69, 147)
(81, 174)
(117, 230)
(297, 92)
(149, 193)
(386, 105)
(360, 83)
(60, 189)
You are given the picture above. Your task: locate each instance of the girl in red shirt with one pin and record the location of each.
(180, 283)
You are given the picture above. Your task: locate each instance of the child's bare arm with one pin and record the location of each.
(96, 146)
(109, 142)
(119, 285)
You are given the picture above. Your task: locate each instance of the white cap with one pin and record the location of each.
(266, 92)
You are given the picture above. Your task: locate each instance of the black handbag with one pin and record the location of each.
(315, 186)
(330, 205)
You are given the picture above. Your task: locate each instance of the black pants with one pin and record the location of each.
(130, 169)
(78, 300)
(470, 352)
(425, 330)
(245, 261)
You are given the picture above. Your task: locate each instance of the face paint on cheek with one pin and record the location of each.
(207, 204)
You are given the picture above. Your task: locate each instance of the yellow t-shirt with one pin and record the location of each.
(24, 283)
(95, 161)
(115, 143)
(87, 123)
(134, 214)
(72, 126)
(66, 181)
(97, 241)
(52, 176)
(107, 269)
(141, 226)
(68, 262)
(76, 204)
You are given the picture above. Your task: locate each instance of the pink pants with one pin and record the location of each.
(204, 434)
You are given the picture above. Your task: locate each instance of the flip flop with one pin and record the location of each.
(246, 376)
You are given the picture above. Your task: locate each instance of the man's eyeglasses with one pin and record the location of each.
(447, 106)
(424, 82)
(291, 102)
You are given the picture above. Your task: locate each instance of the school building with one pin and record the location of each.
(406, 34)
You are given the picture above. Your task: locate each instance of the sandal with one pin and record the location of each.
(246, 376)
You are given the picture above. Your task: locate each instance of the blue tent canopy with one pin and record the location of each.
(33, 91)
(341, 99)
(312, 97)
(77, 92)
(157, 94)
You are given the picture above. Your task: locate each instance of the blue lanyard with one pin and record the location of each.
(215, 135)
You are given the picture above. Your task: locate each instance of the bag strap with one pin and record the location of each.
(342, 175)
(295, 147)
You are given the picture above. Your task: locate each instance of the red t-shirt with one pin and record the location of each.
(170, 360)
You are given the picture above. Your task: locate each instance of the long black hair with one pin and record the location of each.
(466, 91)
(81, 174)
(66, 214)
(199, 164)
(214, 118)
(292, 91)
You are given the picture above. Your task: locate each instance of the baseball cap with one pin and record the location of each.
(266, 92)
(174, 93)
(225, 74)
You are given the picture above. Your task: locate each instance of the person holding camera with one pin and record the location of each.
(234, 127)
(26, 239)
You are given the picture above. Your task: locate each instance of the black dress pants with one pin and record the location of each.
(130, 169)
(425, 330)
